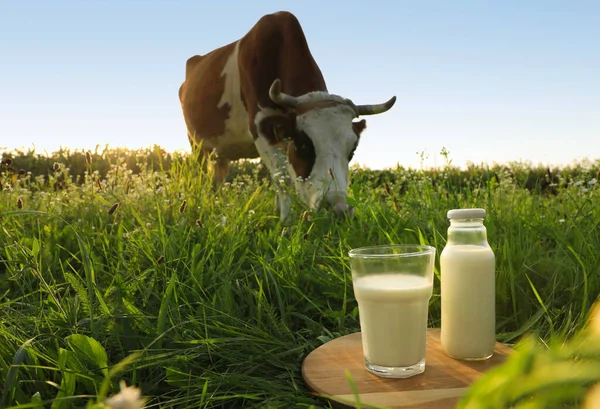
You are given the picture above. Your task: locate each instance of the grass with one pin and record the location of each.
(128, 266)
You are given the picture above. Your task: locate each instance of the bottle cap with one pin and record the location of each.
(474, 213)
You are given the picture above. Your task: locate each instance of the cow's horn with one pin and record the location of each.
(279, 97)
(377, 108)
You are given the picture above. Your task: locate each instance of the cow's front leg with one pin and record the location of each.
(284, 201)
(274, 158)
(221, 170)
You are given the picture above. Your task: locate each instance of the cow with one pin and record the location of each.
(264, 95)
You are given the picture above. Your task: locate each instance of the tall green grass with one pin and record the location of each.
(213, 303)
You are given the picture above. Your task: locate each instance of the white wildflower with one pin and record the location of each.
(592, 182)
(251, 212)
(128, 398)
(578, 183)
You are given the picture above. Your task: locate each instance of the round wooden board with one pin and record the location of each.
(443, 383)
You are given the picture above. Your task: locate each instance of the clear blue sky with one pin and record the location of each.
(490, 81)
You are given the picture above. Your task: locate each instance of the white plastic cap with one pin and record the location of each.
(474, 213)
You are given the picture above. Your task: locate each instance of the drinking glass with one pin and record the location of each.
(393, 285)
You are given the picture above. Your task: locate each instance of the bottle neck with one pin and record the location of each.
(467, 232)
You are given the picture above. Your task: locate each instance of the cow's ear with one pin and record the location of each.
(359, 126)
(276, 128)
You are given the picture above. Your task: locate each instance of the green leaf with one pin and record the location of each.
(162, 313)
(67, 389)
(67, 361)
(90, 349)
(11, 377)
(35, 248)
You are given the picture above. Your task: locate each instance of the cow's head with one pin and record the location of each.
(322, 139)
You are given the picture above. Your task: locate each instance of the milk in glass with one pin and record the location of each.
(393, 307)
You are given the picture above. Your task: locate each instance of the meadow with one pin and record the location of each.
(127, 265)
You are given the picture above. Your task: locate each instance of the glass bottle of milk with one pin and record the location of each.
(468, 288)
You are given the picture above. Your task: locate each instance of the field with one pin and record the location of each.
(126, 265)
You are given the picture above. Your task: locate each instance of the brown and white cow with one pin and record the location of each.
(264, 95)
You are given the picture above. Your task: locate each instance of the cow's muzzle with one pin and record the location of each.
(336, 201)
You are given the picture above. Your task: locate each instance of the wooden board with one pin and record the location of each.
(442, 384)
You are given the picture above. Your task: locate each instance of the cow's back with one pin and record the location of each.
(201, 93)
(276, 48)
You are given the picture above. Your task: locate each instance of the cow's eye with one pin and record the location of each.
(304, 155)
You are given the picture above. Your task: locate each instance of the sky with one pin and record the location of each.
(488, 81)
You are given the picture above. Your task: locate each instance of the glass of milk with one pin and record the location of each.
(393, 285)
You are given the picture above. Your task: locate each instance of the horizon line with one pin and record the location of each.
(574, 162)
